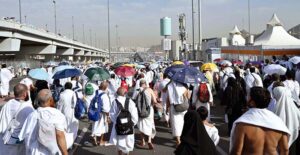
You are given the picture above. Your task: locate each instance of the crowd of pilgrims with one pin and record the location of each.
(262, 112)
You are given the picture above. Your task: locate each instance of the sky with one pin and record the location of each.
(139, 20)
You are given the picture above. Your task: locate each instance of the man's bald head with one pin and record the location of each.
(44, 98)
(121, 91)
(20, 90)
(103, 85)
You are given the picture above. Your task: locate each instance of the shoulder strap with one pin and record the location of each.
(127, 103)
(119, 104)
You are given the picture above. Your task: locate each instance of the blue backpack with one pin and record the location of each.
(95, 107)
(79, 108)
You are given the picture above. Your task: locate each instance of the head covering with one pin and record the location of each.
(287, 111)
(194, 138)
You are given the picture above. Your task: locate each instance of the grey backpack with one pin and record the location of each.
(143, 104)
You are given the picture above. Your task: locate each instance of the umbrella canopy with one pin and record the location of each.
(225, 63)
(153, 66)
(125, 71)
(97, 74)
(129, 65)
(237, 62)
(209, 66)
(295, 60)
(189, 75)
(60, 68)
(140, 66)
(255, 63)
(275, 68)
(218, 60)
(63, 63)
(67, 73)
(118, 64)
(177, 63)
(38, 74)
(170, 71)
(51, 63)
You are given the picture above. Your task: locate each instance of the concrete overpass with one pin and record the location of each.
(19, 42)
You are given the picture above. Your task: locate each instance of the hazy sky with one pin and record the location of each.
(138, 20)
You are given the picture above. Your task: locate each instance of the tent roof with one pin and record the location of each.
(235, 30)
(276, 35)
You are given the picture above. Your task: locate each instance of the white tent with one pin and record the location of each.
(236, 37)
(276, 35)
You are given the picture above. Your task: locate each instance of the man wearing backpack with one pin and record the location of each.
(202, 96)
(100, 127)
(124, 116)
(77, 87)
(145, 101)
(66, 105)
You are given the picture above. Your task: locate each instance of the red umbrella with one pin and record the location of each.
(237, 62)
(218, 60)
(125, 71)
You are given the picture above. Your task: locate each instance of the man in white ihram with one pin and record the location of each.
(5, 77)
(44, 131)
(66, 105)
(12, 118)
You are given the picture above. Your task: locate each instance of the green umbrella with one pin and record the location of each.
(118, 64)
(97, 74)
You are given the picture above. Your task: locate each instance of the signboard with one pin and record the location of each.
(166, 44)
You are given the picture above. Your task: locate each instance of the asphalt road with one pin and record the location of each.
(164, 143)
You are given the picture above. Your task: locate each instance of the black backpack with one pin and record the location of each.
(124, 124)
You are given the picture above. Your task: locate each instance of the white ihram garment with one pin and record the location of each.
(287, 111)
(164, 96)
(123, 143)
(5, 77)
(66, 105)
(197, 103)
(146, 125)
(101, 127)
(29, 132)
(294, 88)
(177, 118)
(213, 133)
(9, 110)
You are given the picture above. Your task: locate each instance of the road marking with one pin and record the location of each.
(78, 140)
(221, 151)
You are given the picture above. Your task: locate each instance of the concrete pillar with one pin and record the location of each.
(10, 44)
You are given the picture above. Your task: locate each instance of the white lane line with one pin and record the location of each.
(78, 140)
(221, 151)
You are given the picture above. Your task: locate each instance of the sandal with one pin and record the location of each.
(151, 146)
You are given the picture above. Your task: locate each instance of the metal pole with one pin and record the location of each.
(199, 24)
(91, 42)
(20, 11)
(55, 26)
(117, 45)
(73, 27)
(25, 19)
(193, 30)
(108, 24)
(249, 19)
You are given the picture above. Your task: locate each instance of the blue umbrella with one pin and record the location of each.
(170, 71)
(60, 68)
(188, 75)
(63, 63)
(38, 74)
(67, 73)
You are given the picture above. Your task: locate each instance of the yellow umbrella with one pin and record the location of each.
(177, 63)
(129, 65)
(209, 66)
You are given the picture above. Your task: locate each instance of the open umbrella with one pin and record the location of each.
(125, 71)
(140, 66)
(177, 63)
(153, 66)
(237, 62)
(97, 74)
(129, 65)
(51, 63)
(170, 71)
(189, 75)
(60, 68)
(225, 63)
(275, 68)
(38, 74)
(209, 66)
(67, 73)
(295, 60)
(63, 63)
(218, 60)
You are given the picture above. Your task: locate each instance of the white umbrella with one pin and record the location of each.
(275, 68)
(295, 60)
(225, 62)
(154, 66)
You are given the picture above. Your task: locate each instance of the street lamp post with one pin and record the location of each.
(54, 5)
(193, 30)
(73, 27)
(20, 11)
(199, 24)
(108, 22)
